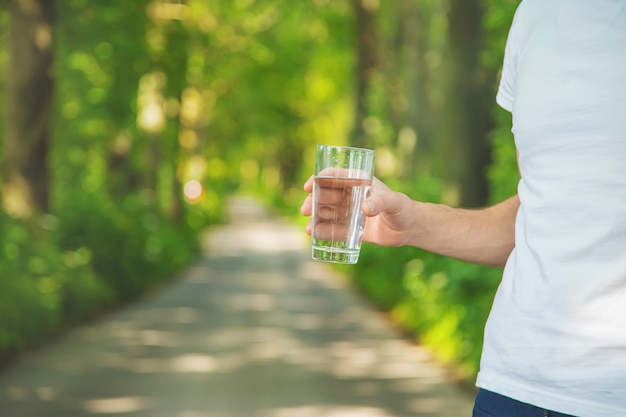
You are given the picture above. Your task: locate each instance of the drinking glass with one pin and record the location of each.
(342, 180)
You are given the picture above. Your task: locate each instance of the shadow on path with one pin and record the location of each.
(253, 329)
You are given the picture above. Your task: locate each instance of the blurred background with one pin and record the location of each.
(127, 124)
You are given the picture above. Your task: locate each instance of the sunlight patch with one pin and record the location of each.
(116, 405)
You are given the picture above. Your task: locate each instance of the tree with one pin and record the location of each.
(367, 62)
(174, 62)
(30, 89)
(469, 104)
(409, 79)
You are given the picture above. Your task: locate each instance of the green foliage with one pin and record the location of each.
(100, 56)
(444, 302)
(503, 173)
(131, 247)
(118, 225)
(42, 288)
(447, 305)
(4, 39)
(235, 94)
(280, 74)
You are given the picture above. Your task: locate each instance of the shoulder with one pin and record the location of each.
(528, 15)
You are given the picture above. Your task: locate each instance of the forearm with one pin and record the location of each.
(485, 236)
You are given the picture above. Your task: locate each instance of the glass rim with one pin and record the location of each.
(352, 148)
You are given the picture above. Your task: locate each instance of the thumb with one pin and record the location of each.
(387, 201)
(374, 205)
(382, 199)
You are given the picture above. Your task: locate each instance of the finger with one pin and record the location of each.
(307, 206)
(379, 202)
(340, 182)
(330, 196)
(378, 185)
(308, 227)
(381, 198)
(328, 213)
(331, 231)
(372, 206)
(308, 185)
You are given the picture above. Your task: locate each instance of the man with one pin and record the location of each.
(555, 341)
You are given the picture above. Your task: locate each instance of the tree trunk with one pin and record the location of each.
(367, 45)
(409, 71)
(30, 89)
(469, 98)
(175, 63)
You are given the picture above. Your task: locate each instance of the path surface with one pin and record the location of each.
(253, 329)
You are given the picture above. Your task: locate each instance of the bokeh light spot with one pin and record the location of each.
(193, 191)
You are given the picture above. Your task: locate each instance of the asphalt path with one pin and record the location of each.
(254, 328)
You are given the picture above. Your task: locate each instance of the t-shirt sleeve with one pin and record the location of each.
(506, 90)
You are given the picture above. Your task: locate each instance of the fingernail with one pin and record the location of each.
(371, 205)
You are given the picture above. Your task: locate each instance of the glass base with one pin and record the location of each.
(339, 256)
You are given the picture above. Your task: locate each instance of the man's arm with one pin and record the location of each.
(485, 236)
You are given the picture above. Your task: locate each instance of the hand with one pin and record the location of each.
(391, 217)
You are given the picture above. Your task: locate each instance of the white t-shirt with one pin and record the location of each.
(556, 335)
